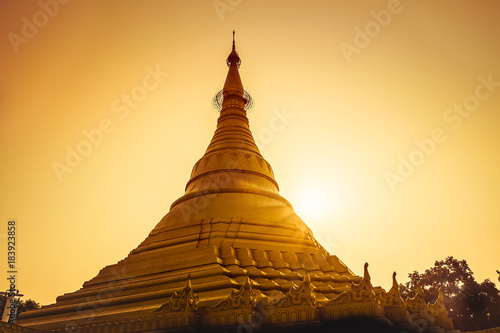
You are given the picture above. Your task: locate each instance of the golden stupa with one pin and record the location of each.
(231, 254)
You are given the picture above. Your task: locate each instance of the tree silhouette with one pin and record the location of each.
(22, 307)
(471, 305)
(26, 306)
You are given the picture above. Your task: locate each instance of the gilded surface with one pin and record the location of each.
(417, 303)
(439, 312)
(437, 309)
(241, 298)
(357, 292)
(299, 294)
(184, 300)
(392, 298)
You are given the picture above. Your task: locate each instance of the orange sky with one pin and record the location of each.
(344, 92)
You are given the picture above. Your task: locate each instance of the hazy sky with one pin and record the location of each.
(380, 119)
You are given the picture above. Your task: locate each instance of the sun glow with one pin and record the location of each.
(315, 201)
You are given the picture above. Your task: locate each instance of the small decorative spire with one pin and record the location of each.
(301, 294)
(357, 292)
(234, 47)
(366, 275)
(182, 300)
(393, 297)
(243, 297)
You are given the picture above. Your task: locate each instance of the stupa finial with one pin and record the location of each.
(234, 47)
(233, 57)
(233, 84)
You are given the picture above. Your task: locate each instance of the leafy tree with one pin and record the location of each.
(22, 307)
(471, 305)
(449, 274)
(478, 305)
(26, 306)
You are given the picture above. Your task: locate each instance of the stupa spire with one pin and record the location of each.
(232, 157)
(233, 85)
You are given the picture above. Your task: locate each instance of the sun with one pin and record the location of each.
(315, 201)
